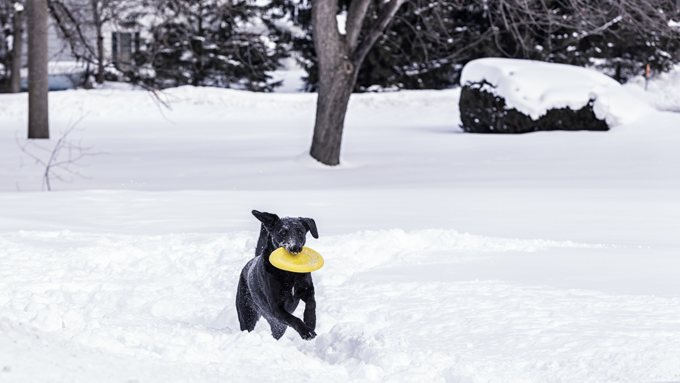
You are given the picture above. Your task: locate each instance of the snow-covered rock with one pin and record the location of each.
(516, 96)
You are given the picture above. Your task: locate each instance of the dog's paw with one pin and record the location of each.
(307, 334)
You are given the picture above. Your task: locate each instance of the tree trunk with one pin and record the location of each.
(331, 106)
(340, 57)
(38, 80)
(100, 41)
(337, 76)
(17, 48)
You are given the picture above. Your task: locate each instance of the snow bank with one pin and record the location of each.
(534, 87)
(166, 303)
(124, 102)
(663, 90)
(571, 276)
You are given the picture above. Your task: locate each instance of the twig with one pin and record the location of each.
(54, 163)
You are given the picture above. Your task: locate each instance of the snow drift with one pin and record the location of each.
(449, 257)
(534, 88)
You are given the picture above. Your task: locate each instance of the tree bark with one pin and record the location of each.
(331, 106)
(17, 48)
(340, 57)
(96, 13)
(38, 80)
(337, 76)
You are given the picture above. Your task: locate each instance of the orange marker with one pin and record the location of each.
(646, 76)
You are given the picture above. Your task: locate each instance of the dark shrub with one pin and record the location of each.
(484, 112)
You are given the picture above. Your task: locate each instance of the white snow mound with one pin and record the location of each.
(534, 87)
(662, 91)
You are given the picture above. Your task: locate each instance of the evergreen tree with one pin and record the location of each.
(11, 18)
(210, 43)
(5, 37)
(428, 42)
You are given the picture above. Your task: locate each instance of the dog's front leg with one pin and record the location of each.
(289, 319)
(307, 296)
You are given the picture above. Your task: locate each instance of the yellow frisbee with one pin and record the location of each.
(305, 262)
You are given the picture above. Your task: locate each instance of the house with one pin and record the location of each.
(66, 70)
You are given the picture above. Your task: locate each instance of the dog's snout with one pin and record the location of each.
(295, 249)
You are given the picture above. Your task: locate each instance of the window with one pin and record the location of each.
(123, 45)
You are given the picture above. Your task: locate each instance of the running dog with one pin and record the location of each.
(264, 290)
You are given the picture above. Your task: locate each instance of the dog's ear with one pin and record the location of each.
(267, 219)
(311, 226)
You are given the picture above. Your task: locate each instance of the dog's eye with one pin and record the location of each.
(299, 232)
(284, 232)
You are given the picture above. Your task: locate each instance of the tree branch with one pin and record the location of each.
(57, 8)
(384, 18)
(355, 17)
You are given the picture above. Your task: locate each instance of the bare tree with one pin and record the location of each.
(340, 57)
(98, 22)
(428, 42)
(532, 29)
(17, 47)
(524, 19)
(524, 29)
(38, 80)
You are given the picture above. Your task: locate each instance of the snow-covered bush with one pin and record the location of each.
(484, 112)
(518, 96)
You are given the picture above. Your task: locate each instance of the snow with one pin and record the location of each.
(342, 22)
(662, 91)
(534, 87)
(291, 74)
(449, 257)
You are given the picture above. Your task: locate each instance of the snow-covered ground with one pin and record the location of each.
(450, 257)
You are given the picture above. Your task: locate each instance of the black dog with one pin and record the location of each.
(264, 290)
